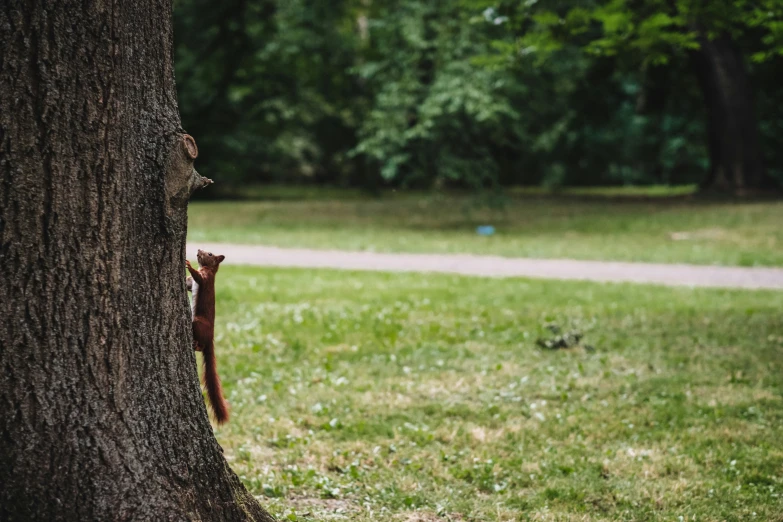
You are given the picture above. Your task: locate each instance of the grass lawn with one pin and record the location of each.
(366, 396)
(654, 230)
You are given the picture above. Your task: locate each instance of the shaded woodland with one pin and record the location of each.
(412, 93)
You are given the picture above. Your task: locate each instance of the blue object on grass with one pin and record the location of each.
(485, 230)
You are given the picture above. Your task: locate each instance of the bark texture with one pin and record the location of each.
(736, 161)
(102, 414)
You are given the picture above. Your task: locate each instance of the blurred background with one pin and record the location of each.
(617, 130)
(469, 94)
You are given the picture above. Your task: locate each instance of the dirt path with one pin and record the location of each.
(492, 266)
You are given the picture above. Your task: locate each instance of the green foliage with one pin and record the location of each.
(471, 93)
(650, 31)
(264, 85)
(436, 114)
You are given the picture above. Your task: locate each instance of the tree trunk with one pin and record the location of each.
(736, 162)
(102, 415)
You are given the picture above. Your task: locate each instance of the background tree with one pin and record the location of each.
(715, 37)
(479, 93)
(435, 115)
(269, 85)
(103, 418)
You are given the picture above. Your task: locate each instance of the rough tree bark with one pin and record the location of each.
(736, 161)
(102, 415)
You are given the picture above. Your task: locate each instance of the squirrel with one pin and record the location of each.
(202, 285)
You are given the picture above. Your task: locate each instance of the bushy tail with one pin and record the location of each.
(212, 384)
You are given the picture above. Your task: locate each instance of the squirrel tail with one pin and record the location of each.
(213, 386)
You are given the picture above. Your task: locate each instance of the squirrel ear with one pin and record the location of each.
(221, 258)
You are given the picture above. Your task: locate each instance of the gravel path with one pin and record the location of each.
(493, 266)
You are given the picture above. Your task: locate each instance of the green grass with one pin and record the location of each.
(653, 230)
(320, 192)
(627, 192)
(365, 396)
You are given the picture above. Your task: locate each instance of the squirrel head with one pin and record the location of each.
(207, 259)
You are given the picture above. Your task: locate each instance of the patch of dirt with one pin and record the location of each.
(313, 506)
(425, 516)
(695, 235)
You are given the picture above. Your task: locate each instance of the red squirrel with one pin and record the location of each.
(202, 284)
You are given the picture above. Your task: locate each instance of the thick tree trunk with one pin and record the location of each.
(736, 162)
(102, 415)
